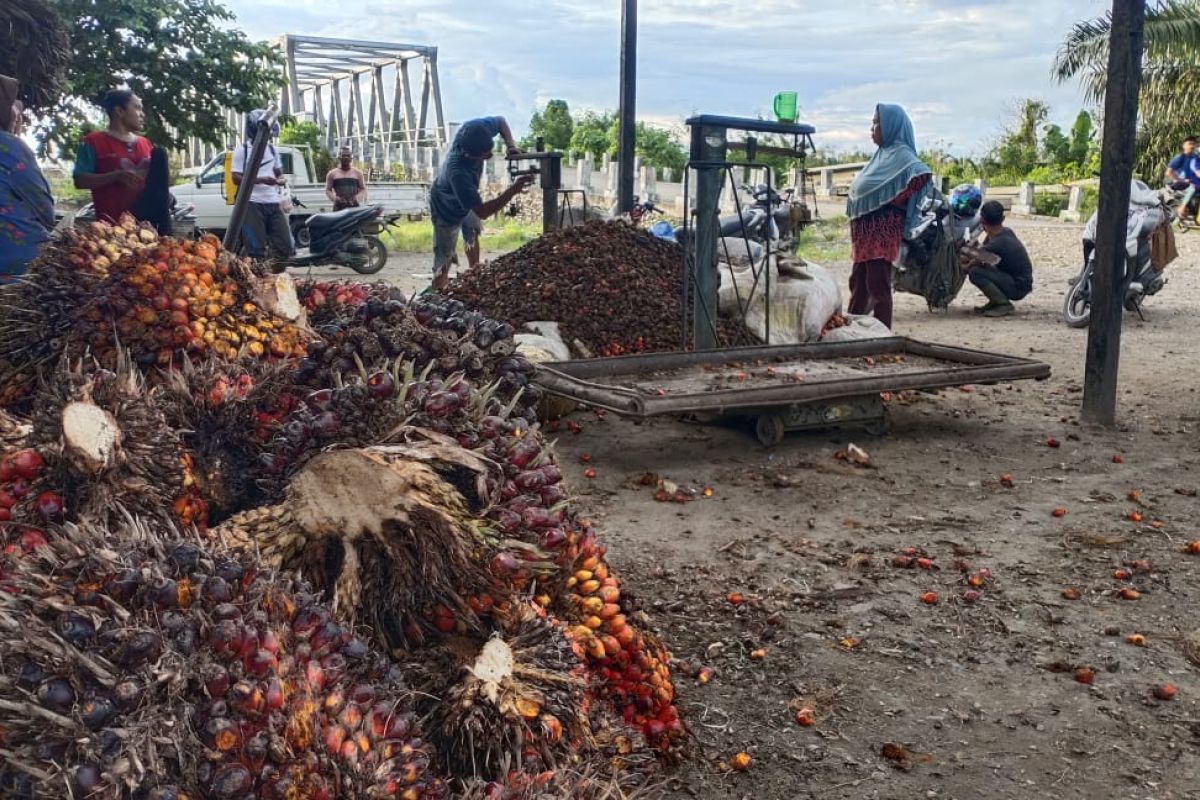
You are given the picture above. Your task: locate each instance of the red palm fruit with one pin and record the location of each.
(28, 463)
(230, 782)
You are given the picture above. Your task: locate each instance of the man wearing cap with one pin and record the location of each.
(266, 223)
(454, 200)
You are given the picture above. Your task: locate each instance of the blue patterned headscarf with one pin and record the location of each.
(889, 171)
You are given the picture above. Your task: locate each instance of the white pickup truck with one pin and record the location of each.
(207, 191)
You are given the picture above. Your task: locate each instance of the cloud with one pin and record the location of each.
(957, 65)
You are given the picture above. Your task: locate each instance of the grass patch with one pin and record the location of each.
(417, 237)
(826, 240)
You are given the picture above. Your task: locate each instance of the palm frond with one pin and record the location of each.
(1172, 30)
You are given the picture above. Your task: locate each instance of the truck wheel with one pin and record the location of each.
(376, 257)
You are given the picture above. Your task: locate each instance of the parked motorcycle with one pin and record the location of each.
(928, 264)
(1147, 211)
(767, 219)
(347, 238)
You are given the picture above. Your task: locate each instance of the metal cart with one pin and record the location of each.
(780, 387)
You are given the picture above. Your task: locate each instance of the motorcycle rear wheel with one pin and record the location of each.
(377, 256)
(1077, 305)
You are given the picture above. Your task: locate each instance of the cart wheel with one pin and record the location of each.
(769, 429)
(879, 427)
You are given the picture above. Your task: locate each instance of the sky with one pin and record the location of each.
(960, 67)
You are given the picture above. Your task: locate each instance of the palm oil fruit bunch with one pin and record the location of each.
(182, 299)
(107, 447)
(146, 665)
(533, 509)
(513, 698)
(327, 301)
(633, 666)
(96, 247)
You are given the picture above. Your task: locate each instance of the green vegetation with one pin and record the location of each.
(1169, 100)
(598, 135)
(417, 237)
(553, 124)
(180, 56)
(826, 241)
(308, 134)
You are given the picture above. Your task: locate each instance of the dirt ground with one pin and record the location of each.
(958, 699)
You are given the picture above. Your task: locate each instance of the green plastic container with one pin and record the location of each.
(785, 106)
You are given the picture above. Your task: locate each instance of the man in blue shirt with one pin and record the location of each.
(1183, 175)
(454, 200)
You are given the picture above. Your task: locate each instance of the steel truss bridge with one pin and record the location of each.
(360, 93)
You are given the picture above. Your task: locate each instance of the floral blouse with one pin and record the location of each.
(26, 208)
(876, 236)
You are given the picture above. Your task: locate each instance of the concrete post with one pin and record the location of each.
(583, 173)
(1023, 204)
(827, 182)
(1074, 210)
(981, 184)
(648, 184)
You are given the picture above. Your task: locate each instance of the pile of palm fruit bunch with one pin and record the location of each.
(341, 564)
(614, 289)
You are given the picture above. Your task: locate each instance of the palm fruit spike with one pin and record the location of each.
(398, 533)
(114, 637)
(514, 700)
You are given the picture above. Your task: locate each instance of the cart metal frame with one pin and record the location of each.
(777, 408)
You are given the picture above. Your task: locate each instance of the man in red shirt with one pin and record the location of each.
(113, 163)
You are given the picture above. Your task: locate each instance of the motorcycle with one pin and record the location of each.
(1187, 220)
(1147, 212)
(347, 238)
(928, 264)
(768, 219)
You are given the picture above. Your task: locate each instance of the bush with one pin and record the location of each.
(1046, 204)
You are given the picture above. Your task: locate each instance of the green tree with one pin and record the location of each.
(180, 56)
(1169, 102)
(590, 134)
(1056, 147)
(1082, 138)
(553, 124)
(1017, 152)
(308, 134)
(657, 147)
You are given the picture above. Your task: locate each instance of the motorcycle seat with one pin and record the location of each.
(321, 223)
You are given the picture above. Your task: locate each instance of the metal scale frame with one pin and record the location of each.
(709, 157)
(546, 166)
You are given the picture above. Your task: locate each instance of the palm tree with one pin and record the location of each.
(1170, 93)
(35, 50)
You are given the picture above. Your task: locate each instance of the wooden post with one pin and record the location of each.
(626, 113)
(1116, 170)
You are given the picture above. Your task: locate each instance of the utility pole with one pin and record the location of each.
(1109, 278)
(626, 114)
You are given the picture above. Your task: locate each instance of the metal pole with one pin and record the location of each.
(1116, 169)
(628, 135)
(241, 202)
(708, 144)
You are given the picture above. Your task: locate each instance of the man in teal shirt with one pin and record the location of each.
(454, 200)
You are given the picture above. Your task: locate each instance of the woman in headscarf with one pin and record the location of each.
(883, 204)
(26, 207)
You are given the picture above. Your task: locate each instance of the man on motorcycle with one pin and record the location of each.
(1182, 174)
(1011, 277)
